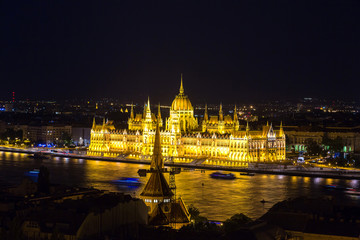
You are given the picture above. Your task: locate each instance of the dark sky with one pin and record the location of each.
(229, 51)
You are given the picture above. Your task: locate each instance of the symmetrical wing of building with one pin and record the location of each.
(218, 140)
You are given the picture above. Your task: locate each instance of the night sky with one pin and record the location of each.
(229, 51)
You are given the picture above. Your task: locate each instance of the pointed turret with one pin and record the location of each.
(157, 185)
(235, 114)
(148, 110)
(148, 104)
(221, 115)
(281, 131)
(247, 126)
(159, 113)
(157, 161)
(147, 123)
(157, 194)
(236, 120)
(94, 123)
(132, 112)
(206, 116)
(181, 86)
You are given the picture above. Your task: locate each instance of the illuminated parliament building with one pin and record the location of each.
(217, 141)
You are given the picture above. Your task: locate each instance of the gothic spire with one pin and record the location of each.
(159, 113)
(148, 103)
(157, 185)
(148, 110)
(132, 112)
(281, 131)
(235, 114)
(221, 115)
(157, 161)
(94, 123)
(206, 116)
(181, 85)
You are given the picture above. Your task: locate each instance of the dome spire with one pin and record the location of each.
(148, 103)
(181, 85)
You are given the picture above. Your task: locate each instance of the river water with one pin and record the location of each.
(215, 198)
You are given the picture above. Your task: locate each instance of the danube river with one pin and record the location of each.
(216, 199)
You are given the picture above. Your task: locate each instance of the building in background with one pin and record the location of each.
(298, 137)
(217, 141)
(46, 134)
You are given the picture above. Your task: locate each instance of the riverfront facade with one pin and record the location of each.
(218, 140)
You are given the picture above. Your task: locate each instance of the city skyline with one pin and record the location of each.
(182, 120)
(227, 52)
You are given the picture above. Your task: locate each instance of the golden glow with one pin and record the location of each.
(219, 143)
(181, 102)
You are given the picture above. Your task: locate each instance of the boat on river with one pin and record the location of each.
(335, 187)
(33, 173)
(221, 175)
(127, 181)
(352, 191)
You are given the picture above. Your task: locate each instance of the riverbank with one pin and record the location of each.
(260, 168)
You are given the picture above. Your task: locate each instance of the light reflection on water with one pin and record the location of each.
(216, 199)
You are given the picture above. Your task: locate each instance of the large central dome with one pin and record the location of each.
(181, 101)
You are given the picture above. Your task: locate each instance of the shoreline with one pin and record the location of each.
(327, 173)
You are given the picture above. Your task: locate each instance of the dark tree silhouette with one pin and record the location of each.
(235, 222)
(313, 148)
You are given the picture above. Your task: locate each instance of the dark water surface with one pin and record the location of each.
(216, 199)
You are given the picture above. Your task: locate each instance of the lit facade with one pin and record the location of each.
(46, 133)
(217, 141)
(349, 136)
